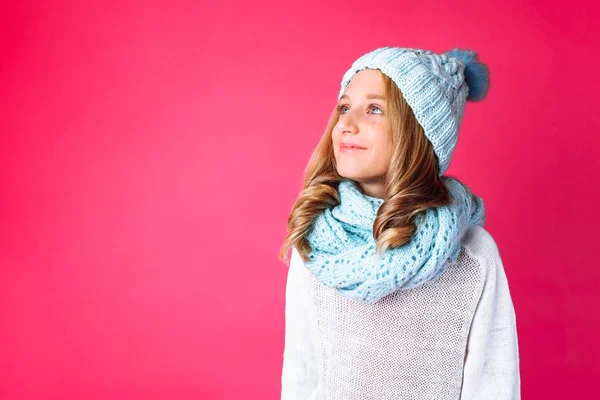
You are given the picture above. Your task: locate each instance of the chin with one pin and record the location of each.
(349, 173)
(358, 175)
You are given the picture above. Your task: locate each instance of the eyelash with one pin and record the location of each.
(340, 106)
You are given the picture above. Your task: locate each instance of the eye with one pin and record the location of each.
(372, 106)
(340, 107)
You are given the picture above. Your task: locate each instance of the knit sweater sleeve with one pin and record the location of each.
(491, 369)
(299, 372)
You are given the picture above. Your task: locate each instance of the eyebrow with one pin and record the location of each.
(369, 96)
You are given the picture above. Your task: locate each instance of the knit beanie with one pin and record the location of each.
(435, 86)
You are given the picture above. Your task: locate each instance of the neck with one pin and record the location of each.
(374, 189)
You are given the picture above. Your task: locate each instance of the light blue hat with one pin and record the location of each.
(435, 86)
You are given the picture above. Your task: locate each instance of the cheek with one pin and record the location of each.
(336, 138)
(382, 152)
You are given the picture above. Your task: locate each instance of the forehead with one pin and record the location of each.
(368, 81)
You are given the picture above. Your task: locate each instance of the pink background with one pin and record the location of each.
(151, 154)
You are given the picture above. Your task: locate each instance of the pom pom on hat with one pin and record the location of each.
(477, 75)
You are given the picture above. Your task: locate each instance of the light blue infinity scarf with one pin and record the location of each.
(343, 248)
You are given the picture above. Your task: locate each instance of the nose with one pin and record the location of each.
(348, 123)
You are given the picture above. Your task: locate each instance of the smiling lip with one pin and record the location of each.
(350, 146)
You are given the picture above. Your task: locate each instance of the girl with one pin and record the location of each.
(395, 290)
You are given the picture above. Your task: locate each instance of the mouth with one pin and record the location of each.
(350, 147)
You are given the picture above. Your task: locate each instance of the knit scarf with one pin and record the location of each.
(343, 253)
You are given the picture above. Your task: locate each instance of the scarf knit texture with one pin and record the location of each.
(343, 253)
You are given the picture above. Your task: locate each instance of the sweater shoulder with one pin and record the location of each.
(480, 245)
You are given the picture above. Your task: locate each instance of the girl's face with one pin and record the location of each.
(363, 124)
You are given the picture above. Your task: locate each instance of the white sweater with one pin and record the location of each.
(452, 338)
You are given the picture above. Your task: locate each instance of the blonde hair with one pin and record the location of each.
(412, 183)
